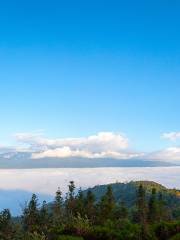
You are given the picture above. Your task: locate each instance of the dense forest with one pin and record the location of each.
(120, 211)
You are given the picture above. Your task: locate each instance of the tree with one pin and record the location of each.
(141, 205)
(6, 225)
(71, 192)
(81, 225)
(44, 218)
(107, 205)
(153, 207)
(163, 212)
(90, 206)
(58, 207)
(89, 218)
(70, 200)
(142, 211)
(80, 203)
(31, 216)
(121, 211)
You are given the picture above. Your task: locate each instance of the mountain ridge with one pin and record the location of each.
(126, 192)
(22, 160)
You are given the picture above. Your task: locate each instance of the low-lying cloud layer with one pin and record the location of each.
(20, 184)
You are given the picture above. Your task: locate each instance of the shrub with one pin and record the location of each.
(165, 230)
(176, 237)
(63, 237)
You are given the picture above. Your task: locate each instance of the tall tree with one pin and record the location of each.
(80, 203)
(142, 211)
(153, 207)
(44, 218)
(163, 212)
(90, 206)
(31, 216)
(58, 207)
(107, 205)
(141, 205)
(6, 225)
(70, 200)
(121, 211)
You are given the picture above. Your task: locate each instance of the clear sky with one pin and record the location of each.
(75, 68)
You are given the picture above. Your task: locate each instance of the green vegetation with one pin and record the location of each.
(131, 211)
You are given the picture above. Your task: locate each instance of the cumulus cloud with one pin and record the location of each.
(101, 145)
(99, 142)
(171, 154)
(172, 136)
(67, 152)
(61, 153)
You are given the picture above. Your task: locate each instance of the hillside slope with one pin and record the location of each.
(126, 192)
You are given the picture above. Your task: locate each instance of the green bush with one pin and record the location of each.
(34, 236)
(105, 233)
(63, 237)
(166, 230)
(176, 237)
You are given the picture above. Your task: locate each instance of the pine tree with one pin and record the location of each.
(153, 207)
(80, 203)
(6, 225)
(44, 218)
(107, 205)
(142, 211)
(90, 206)
(71, 192)
(110, 201)
(141, 205)
(58, 207)
(70, 200)
(31, 216)
(163, 211)
(121, 211)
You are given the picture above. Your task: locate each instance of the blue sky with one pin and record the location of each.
(75, 68)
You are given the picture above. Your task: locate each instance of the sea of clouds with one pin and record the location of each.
(18, 185)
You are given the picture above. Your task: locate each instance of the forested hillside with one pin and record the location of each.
(120, 211)
(127, 192)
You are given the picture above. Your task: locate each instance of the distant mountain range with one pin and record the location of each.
(22, 160)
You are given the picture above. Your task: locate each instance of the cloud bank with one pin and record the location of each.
(20, 184)
(101, 145)
(171, 154)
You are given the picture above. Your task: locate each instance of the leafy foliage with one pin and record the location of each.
(132, 211)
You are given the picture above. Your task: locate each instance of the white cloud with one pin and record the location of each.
(47, 181)
(99, 142)
(101, 145)
(60, 153)
(67, 152)
(172, 136)
(171, 154)
(20, 183)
